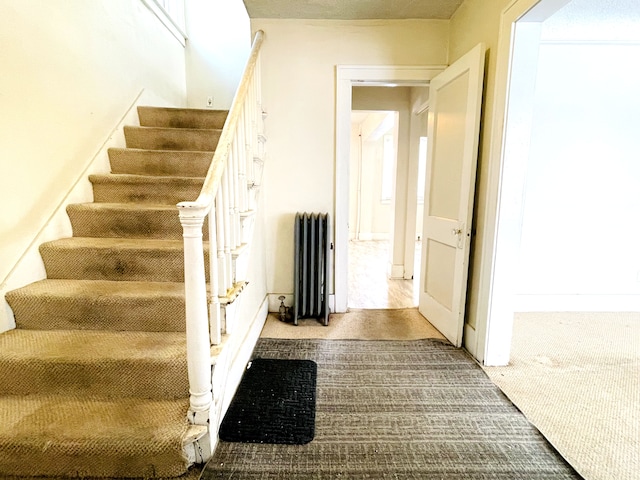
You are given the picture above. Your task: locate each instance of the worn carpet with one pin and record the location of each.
(418, 409)
(357, 324)
(576, 376)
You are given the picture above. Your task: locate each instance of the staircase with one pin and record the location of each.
(93, 381)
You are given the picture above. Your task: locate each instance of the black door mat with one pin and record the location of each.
(275, 403)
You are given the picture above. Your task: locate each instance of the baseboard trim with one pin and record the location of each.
(577, 303)
(396, 271)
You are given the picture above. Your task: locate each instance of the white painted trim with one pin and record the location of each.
(30, 268)
(233, 364)
(604, 43)
(346, 77)
(242, 356)
(494, 333)
(396, 271)
(421, 108)
(166, 19)
(494, 330)
(577, 303)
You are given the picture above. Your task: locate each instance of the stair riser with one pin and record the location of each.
(171, 139)
(125, 379)
(181, 118)
(115, 264)
(144, 193)
(159, 314)
(89, 222)
(49, 462)
(159, 163)
(86, 439)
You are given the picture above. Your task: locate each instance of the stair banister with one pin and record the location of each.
(218, 199)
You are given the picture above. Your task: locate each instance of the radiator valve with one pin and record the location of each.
(283, 311)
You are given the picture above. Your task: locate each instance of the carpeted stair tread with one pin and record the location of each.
(159, 162)
(144, 189)
(99, 305)
(161, 138)
(125, 220)
(84, 437)
(121, 259)
(86, 362)
(181, 117)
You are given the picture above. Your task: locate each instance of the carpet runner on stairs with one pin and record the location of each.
(93, 381)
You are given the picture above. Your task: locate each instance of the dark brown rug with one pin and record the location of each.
(400, 410)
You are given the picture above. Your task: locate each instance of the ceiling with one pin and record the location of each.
(352, 9)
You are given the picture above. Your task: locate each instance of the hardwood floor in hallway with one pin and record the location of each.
(369, 284)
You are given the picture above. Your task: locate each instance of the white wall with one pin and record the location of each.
(580, 220)
(219, 41)
(70, 70)
(298, 80)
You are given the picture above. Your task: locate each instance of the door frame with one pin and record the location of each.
(348, 76)
(490, 343)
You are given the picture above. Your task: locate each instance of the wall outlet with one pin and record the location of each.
(209, 102)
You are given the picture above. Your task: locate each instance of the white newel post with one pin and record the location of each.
(198, 346)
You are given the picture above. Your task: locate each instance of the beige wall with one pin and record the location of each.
(478, 21)
(298, 80)
(70, 70)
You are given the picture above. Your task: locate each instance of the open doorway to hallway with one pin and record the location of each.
(388, 134)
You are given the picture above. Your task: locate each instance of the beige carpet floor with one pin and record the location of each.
(357, 324)
(576, 376)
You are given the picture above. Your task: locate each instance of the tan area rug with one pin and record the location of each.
(576, 376)
(387, 324)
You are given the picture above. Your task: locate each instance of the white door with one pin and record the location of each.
(453, 130)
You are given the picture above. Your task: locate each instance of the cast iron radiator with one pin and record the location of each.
(311, 267)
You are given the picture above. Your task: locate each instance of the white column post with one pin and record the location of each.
(198, 345)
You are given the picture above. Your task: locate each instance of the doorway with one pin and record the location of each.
(569, 175)
(347, 78)
(388, 129)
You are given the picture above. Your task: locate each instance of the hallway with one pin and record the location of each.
(369, 285)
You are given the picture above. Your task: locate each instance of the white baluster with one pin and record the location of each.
(236, 198)
(228, 281)
(222, 264)
(215, 319)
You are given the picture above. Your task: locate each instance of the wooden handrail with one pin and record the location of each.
(214, 174)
